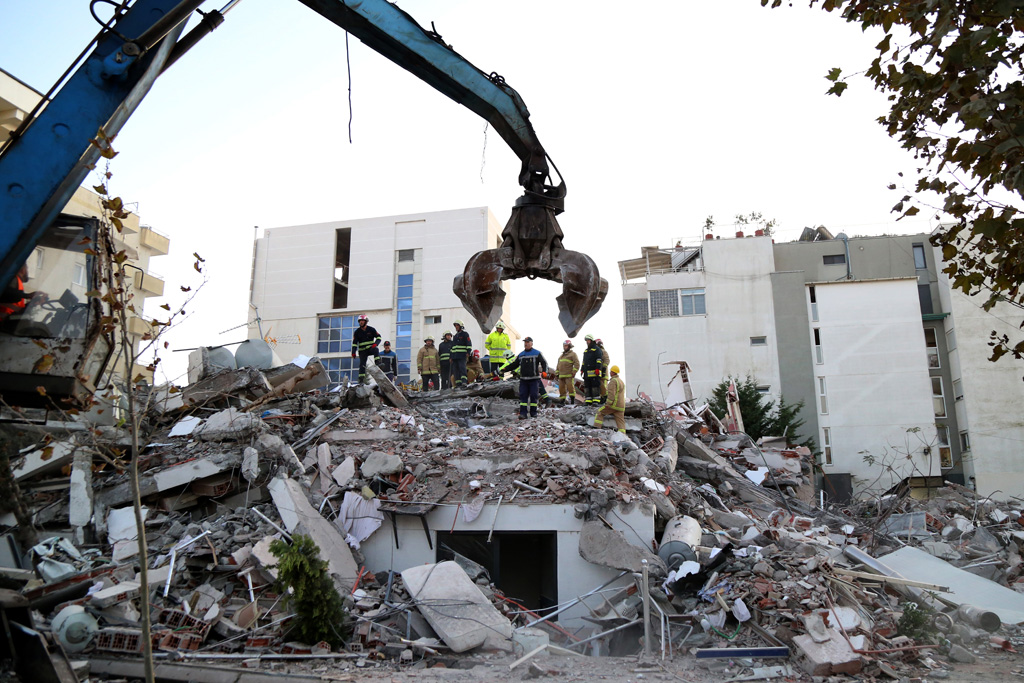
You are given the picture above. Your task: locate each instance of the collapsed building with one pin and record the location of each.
(449, 529)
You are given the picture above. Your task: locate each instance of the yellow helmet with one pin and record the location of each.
(614, 369)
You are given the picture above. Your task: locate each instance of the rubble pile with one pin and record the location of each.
(742, 567)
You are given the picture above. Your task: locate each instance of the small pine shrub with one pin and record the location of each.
(315, 601)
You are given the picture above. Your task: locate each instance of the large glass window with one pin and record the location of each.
(693, 301)
(826, 445)
(664, 303)
(341, 368)
(931, 345)
(822, 396)
(334, 333)
(919, 259)
(937, 397)
(945, 454)
(403, 327)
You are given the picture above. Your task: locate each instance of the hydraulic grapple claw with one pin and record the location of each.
(532, 247)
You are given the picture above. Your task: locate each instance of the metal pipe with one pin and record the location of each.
(605, 633)
(495, 520)
(165, 24)
(271, 523)
(574, 602)
(645, 590)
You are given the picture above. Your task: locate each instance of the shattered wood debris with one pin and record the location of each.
(744, 566)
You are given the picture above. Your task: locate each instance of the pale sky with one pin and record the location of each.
(658, 115)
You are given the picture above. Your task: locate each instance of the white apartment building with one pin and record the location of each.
(310, 283)
(892, 366)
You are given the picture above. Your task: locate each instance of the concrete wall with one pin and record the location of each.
(796, 375)
(989, 411)
(293, 273)
(575, 575)
(877, 380)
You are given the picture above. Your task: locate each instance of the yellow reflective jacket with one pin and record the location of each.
(497, 343)
(616, 394)
(427, 361)
(568, 364)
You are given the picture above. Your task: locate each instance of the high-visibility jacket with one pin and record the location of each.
(606, 361)
(428, 361)
(364, 338)
(445, 350)
(616, 394)
(497, 343)
(461, 345)
(14, 299)
(530, 364)
(568, 364)
(388, 362)
(592, 361)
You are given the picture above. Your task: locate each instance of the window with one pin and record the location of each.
(664, 303)
(924, 295)
(431, 320)
(826, 444)
(759, 341)
(814, 304)
(78, 275)
(819, 354)
(937, 398)
(834, 259)
(342, 253)
(931, 345)
(919, 259)
(334, 333)
(764, 388)
(945, 454)
(693, 301)
(406, 254)
(951, 340)
(965, 442)
(403, 326)
(341, 369)
(958, 390)
(635, 312)
(822, 396)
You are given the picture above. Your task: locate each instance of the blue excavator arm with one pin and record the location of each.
(53, 152)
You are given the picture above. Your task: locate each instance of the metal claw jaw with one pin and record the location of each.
(532, 247)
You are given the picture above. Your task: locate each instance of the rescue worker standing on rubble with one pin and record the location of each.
(616, 404)
(592, 365)
(566, 369)
(606, 362)
(473, 367)
(461, 348)
(364, 342)
(532, 367)
(444, 351)
(428, 364)
(387, 361)
(497, 345)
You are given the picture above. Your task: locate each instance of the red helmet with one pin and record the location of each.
(598, 341)
(363, 319)
(567, 342)
(476, 353)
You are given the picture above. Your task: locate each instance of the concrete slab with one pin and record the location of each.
(50, 458)
(362, 435)
(80, 491)
(380, 463)
(344, 472)
(461, 615)
(300, 517)
(229, 425)
(609, 548)
(834, 656)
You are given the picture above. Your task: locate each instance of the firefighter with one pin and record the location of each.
(461, 348)
(532, 367)
(428, 365)
(387, 361)
(592, 365)
(364, 343)
(444, 351)
(616, 404)
(474, 368)
(606, 362)
(566, 369)
(497, 345)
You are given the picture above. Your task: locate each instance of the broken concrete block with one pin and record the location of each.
(49, 458)
(834, 656)
(731, 520)
(80, 491)
(226, 383)
(229, 425)
(323, 457)
(381, 463)
(250, 464)
(387, 388)
(344, 472)
(609, 548)
(281, 374)
(300, 517)
(463, 618)
(274, 446)
(123, 533)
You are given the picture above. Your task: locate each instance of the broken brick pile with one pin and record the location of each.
(233, 462)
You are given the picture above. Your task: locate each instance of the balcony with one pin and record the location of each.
(154, 241)
(147, 284)
(138, 326)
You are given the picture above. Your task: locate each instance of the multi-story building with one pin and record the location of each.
(60, 265)
(310, 283)
(863, 331)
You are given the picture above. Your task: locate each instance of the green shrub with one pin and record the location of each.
(314, 599)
